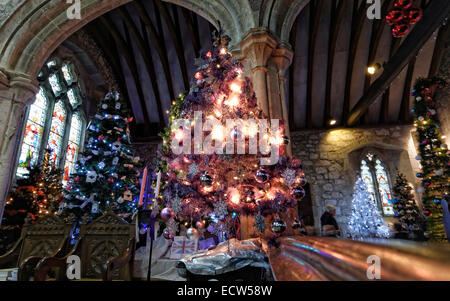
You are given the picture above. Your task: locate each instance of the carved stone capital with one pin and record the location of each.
(282, 58)
(257, 46)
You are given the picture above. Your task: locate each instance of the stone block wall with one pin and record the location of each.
(331, 161)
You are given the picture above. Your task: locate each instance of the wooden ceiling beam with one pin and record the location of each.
(358, 18)
(125, 51)
(432, 18)
(175, 34)
(337, 15)
(192, 32)
(146, 55)
(439, 50)
(158, 43)
(315, 7)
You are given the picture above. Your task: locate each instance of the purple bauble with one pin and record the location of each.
(261, 176)
(166, 214)
(210, 228)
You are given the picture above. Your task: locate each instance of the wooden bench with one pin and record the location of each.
(106, 249)
(48, 236)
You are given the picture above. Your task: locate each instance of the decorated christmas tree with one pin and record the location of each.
(221, 158)
(366, 220)
(433, 155)
(37, 194)
(106, 173)
(405, 208)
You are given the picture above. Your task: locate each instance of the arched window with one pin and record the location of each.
(54, 120)
(374, 175)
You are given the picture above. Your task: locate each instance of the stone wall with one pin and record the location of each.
(331, 161)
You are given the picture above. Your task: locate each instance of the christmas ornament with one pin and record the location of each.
(400, 29)
(176, 205)
(394, 16)
(221, 209)
(261, 176)
(286, 140)
(116, 146)
(166, 214)
(205, 180)
(193, 169)
(403, 4)
(115, 161)
(289, 176)
(298, 193)
(91, 176)
(104, 106)
(167, 234)
(101, 165)
(301, 181)
(118, 105)
(260, 223)
(142, 231)
(297, 224)
(192, 233)
(200, 225)
(278, 225)
(127, 196)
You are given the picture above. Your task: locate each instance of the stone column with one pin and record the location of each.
(267, 61)
(13, 100)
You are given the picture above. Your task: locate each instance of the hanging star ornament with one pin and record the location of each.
(176, 204)
(193, 169)
(221, 209)
(289, 176)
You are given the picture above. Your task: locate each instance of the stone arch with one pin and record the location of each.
(33, 31)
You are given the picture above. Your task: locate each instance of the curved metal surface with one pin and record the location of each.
(321, 258)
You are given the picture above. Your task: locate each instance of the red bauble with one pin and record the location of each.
(414, 15)
(394, 16)
(101, 137)
(110, 180)
(403, 4)
(400, 29)
(427, 212)
(77, 178)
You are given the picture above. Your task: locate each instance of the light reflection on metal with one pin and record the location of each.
(303, 258)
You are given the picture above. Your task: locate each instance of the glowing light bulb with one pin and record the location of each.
(217, 133)
(233, 101)
(235, 198)
(223, 51)
(217, 113)
(235, 87)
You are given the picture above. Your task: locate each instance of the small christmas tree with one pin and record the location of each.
(209, 185)
(405, 208)
(366, 220)
(36, 195)
(106, 174)
(434, 156)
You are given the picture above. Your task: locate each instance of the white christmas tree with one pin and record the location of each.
(366, 220)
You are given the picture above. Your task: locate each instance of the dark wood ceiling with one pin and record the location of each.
(152, 45)
(334, 42)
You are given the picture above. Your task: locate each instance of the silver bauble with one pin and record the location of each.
(192, 233)
(278, 225)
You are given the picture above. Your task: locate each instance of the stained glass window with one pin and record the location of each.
(67, 74)
(383, 188)
(34, 128)
(65, 98)
(73, 98)
(374, 175)
(54, 83)
(57, 131)
(73, 145)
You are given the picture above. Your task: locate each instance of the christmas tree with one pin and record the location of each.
(433, 155)
(36, 195)
(366, 220)
(106, 173)
(212, 169)
(406, 210)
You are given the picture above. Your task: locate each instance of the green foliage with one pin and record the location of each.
(106, 175)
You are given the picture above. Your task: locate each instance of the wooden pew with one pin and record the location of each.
(106, 249)
(48, 236)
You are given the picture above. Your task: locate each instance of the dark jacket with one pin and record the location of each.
(328, 219)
